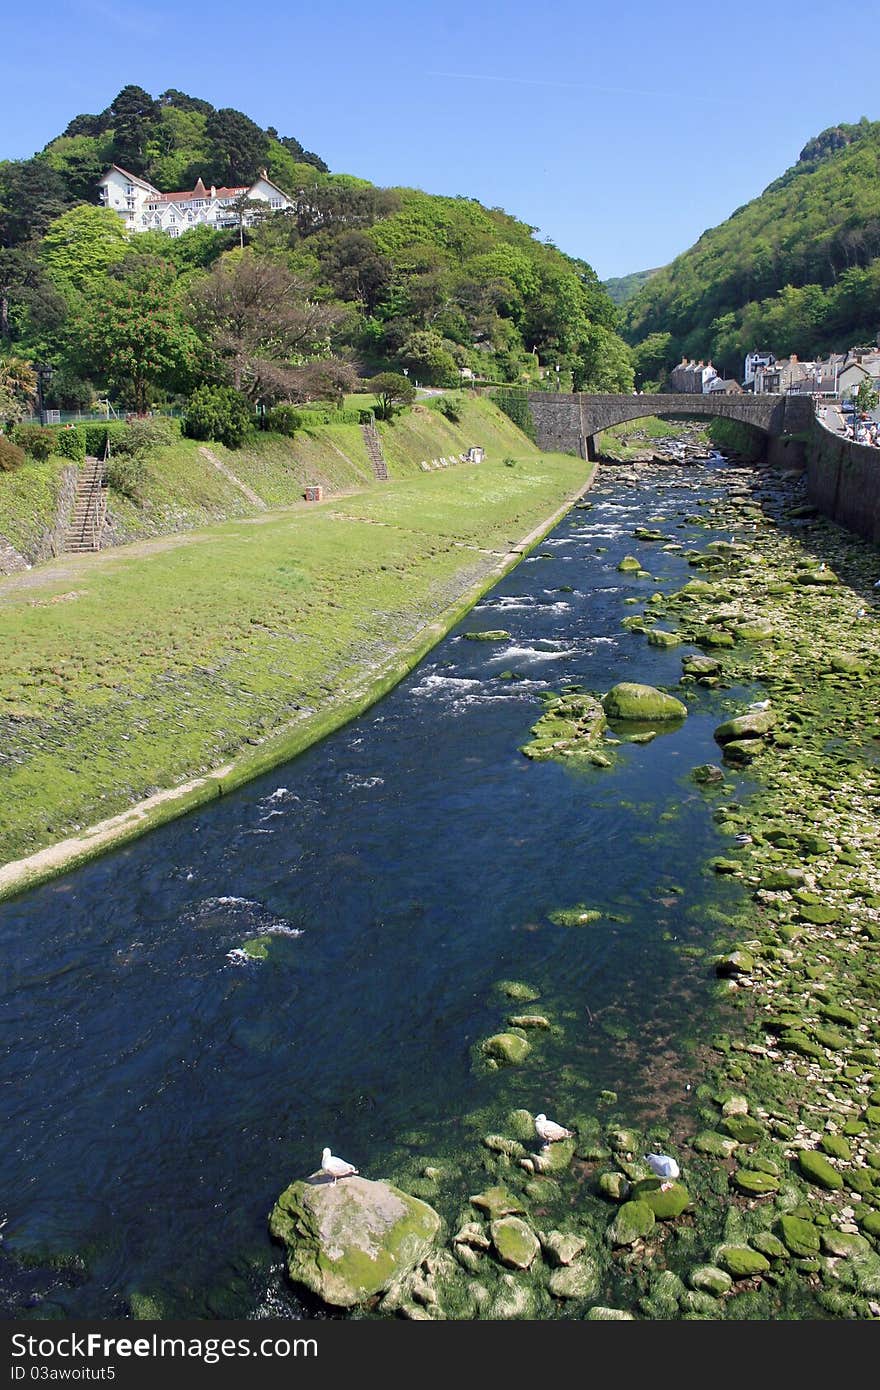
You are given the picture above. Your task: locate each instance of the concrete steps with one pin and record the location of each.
(374, 450)
(84, 530)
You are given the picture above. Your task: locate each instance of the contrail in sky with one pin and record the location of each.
(546, 82)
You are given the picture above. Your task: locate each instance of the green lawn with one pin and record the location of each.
(140, 667)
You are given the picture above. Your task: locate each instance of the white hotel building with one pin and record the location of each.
(144, 209)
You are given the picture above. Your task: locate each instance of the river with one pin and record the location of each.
(160, 1091)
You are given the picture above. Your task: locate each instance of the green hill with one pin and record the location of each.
(434, 285)
(795, 270)
(622, 288)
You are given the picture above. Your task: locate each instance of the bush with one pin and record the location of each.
(97, 436)
(450, 407)
(71, 444)
(11, 457)
(218, 413)
(126, 473)
(137, 438)
(37, 441)
(284, 419)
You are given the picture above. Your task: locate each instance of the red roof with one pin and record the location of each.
(200, 191)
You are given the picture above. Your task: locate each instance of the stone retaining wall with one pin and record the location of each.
(843, 481)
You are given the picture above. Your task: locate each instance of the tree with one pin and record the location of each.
(238, 147)
(82, 244)
(257, 321)
(604, 363)
(218, 412)
(355, 269)
(133, 334)
(391, 389)
(132, 113)
(651, 357)
(866, 398)
(18, 387)
(427, 358)
(31, 195)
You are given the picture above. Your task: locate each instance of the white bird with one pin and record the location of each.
(549, 1131)
(664, 1167)
(760, 704)
(335, 1167)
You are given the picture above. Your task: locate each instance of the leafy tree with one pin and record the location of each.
(257, 321)
(866, 398)
(181, 102)
(218, 412)
(652, 357)
(27, 299)
(131, 114)
(82, 244)
(80, 160)
(355, 269)
(429, 360)
(391, 390)
(238, 148)
(18, 388)
(133, 334)
(31, 196)
(605, 364)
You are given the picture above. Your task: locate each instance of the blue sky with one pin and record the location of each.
(621, 131)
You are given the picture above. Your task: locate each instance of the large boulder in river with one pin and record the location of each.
(629, 700)
(754, 724)
(349, 1240)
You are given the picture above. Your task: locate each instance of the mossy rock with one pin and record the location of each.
(830, 1038)
(629, 565)
(666, 1205)
(578, 1280)
(818, 916)
(769, 1245)
(516, 1244)
(350, 1240)
(632, 701)
(745, 1129)
(799, 1236)
(562, 1247)
(700, 666)
(870, 1222)
(257, 948)
(742, 750)
(496, 1202)
(707, 774)
(714, 637)
(521, 1125)
(599, 1313)
(782, 879)
(797, 1041)
(634, 1221)
(753, 632)
(741, 1261)
(494, 635)
(844, 1245)
(816, 1169)
(716, 1145)
(578, 916)
(615, 1186)
(844, 663)
(517, 989)
(710, 1279)
(819, 577)
(753, 1183)
(754, 724)
(507, 1049)
(734, 963)
(659, 637)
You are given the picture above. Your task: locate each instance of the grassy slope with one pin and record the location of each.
(28, 499)
(145, 665)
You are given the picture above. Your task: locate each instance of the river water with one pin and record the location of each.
(160, 1092)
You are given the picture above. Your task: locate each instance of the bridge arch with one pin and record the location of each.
(569, 422)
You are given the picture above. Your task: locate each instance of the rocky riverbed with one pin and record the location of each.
(776, 1212)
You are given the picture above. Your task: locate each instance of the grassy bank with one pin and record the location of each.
(145, 666)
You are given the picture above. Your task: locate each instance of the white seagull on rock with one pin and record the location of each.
(335, 1167)
(664, 1167)
(549, 1131)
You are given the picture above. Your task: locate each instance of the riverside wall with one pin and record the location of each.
(843, 481)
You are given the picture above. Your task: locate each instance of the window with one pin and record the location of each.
(172, 231)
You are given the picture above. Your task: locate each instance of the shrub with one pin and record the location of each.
(284, 419)
(37, 441)
(139, 437)
(450, 407)
(98, 434)
(11, 457)
(71, 444)
(219, 413)
(126, 473)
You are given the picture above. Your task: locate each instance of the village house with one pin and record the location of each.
(753, 361)
(692, 377)
(144, 209)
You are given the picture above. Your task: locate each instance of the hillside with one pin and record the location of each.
(795, 270)
(622, 288)
(438, 286)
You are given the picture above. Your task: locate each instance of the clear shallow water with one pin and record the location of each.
(159, 1092)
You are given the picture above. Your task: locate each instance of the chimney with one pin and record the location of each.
(264, 173)
(213, 191)
(793, 357)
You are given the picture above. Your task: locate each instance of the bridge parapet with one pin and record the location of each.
(569, 421)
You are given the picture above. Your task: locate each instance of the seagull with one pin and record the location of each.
(549, 1131)
(760, 704)
(335, 1167)
(664, 1167)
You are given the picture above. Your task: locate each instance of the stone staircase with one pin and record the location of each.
(374, 449)
(87, 523)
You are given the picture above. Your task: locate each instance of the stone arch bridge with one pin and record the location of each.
(570, 422)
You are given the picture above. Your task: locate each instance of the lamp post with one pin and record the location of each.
(44, 376)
